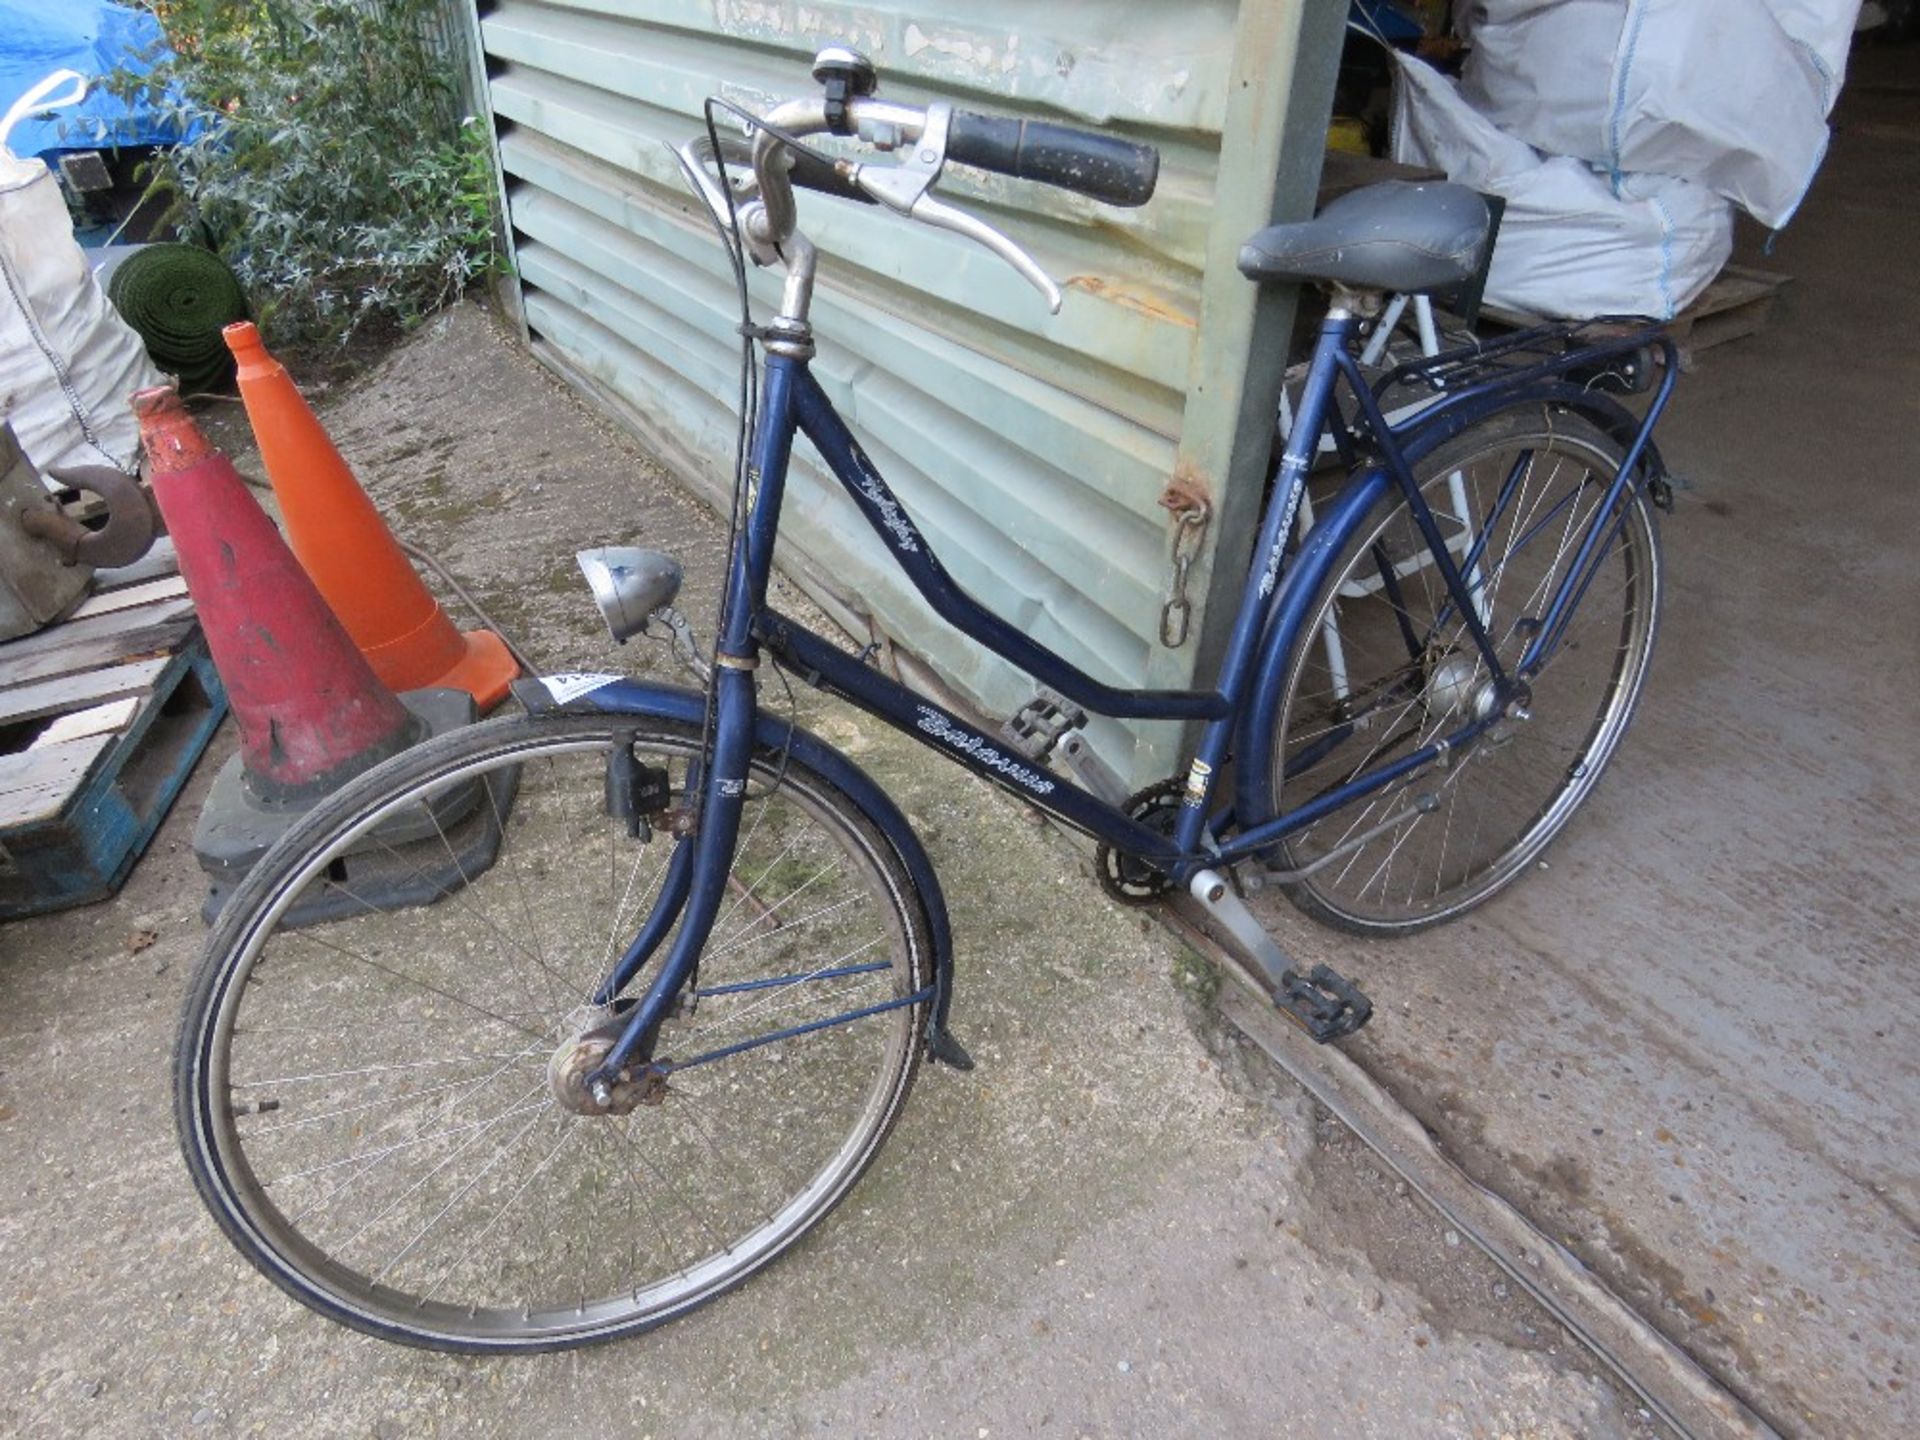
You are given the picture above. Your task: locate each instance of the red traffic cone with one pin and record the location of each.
(348, 550)
(311, 712)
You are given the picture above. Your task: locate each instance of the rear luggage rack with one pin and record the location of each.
(1613, 352)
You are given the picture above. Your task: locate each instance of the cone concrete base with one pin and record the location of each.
(390, 869)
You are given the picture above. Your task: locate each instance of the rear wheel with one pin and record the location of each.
(1385, 665)
(382, 1108)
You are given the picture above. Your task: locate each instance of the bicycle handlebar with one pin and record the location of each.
(811, 173)
(1104, 167)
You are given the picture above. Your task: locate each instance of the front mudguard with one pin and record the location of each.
(651, 700)
(1334, 526)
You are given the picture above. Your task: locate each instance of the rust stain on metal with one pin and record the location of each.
(1187, 490)
(1132, 299)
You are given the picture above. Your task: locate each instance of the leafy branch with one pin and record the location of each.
(325, 160)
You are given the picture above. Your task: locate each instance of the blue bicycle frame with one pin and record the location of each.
(1239, 712)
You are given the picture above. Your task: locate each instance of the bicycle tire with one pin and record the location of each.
(1390, 885)
(732, 1164)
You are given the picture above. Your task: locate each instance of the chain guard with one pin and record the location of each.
(1132, 881)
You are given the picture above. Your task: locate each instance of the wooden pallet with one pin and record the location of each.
(1739, 302)
(102, 717)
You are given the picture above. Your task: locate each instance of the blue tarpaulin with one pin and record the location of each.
(94, 37)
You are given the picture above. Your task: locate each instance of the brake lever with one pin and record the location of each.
(943, 216)
(907, 189)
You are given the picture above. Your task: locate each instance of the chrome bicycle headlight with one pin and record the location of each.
(629, 584)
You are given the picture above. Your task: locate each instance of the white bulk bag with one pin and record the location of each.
(1730, 94)
(68, 362)
(1825, 29)
(1573, 243)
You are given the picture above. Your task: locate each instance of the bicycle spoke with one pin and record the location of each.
(373, 964)
(375, 1156)
(385, 1102)
(499, 1154)
(566, 1138)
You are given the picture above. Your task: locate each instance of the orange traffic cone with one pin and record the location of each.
(344, 545)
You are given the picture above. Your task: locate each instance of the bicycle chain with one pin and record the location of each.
(1129, 880)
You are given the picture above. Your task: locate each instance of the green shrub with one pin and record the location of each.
(330, 167)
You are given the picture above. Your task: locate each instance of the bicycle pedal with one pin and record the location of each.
(1324, 1003)
(1041, 722)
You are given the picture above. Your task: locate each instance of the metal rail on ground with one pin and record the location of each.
(1668, 1381)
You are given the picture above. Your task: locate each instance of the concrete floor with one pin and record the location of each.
(1686, 1046)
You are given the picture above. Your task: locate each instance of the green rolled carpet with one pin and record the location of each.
(177, 297)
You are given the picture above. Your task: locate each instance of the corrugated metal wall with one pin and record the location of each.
(1032, 449)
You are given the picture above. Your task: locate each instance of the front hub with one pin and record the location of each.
(570, 1067)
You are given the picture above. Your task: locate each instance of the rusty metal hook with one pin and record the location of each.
(127, 535)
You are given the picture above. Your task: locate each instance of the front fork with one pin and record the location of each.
(733, 708)
(699, 868)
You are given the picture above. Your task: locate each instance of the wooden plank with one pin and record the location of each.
(70, 692)
(1736, 285)
(1342, 172)
(105, 719)
(35, 784)
(1725, 325)
(160, 560)
(1738, 303)
(99, 627)
(93, 654)
(129, 596)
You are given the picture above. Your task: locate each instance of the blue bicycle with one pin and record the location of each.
(550, 1030)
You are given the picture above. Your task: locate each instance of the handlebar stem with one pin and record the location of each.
(808, 116)
(797, 117)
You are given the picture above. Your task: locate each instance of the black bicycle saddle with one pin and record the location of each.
(1402, 236)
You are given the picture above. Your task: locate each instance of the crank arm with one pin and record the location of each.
(1323, 1002)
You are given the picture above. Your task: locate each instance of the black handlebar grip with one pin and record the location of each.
(1106, 167)
(815, 174)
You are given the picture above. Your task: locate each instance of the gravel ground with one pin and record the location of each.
(1118, 1225)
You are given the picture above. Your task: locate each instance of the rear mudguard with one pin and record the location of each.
(1334, 526)
(653, 701)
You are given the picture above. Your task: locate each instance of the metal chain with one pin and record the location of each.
(1190, 527)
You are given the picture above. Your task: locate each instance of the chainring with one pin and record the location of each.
(1126, 878)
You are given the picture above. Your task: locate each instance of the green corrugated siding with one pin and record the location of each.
(1031, 449)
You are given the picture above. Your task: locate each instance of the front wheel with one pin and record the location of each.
(378, 1100)
(1385, 665)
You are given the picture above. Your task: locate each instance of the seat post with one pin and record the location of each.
(1360, 304)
